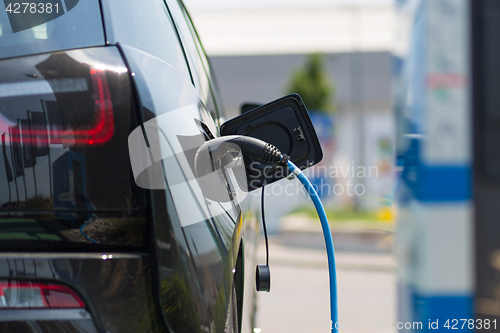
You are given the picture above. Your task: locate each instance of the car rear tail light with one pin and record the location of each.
(99, 131)
(104, 126)
(37, 295)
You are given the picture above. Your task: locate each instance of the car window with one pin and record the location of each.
(51, 25)
(213, 101)
(195, 61)
(146, 25)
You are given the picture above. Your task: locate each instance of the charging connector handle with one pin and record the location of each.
(328, 240)
(251, 147)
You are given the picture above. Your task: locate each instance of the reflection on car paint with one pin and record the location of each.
(206, 249)
(63, 129)
(191, 174)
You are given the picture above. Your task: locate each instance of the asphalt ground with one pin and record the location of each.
(299, 297)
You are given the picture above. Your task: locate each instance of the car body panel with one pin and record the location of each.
(211, 235)
(183, 275)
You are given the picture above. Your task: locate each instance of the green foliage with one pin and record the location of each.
(340, 214)
(312, 84)
(348, 217)
(220, 311)
(180, 308)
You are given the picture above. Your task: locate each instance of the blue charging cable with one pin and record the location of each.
(328, 240)
(84, 234)
(267, 153)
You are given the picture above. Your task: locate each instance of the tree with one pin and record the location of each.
(312, 84)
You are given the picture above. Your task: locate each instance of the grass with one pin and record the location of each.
(363, 219)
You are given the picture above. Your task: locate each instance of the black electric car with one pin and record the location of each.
(105, 225)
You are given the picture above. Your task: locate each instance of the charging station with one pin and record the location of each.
(433, 107)
(447, 73)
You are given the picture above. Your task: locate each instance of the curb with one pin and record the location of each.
(295, 256)
(301, 230)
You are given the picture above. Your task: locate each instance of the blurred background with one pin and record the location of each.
(337, 54)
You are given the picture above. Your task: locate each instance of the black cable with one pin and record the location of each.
(264, 225)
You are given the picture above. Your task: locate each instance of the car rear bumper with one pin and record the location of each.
(116, 288)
